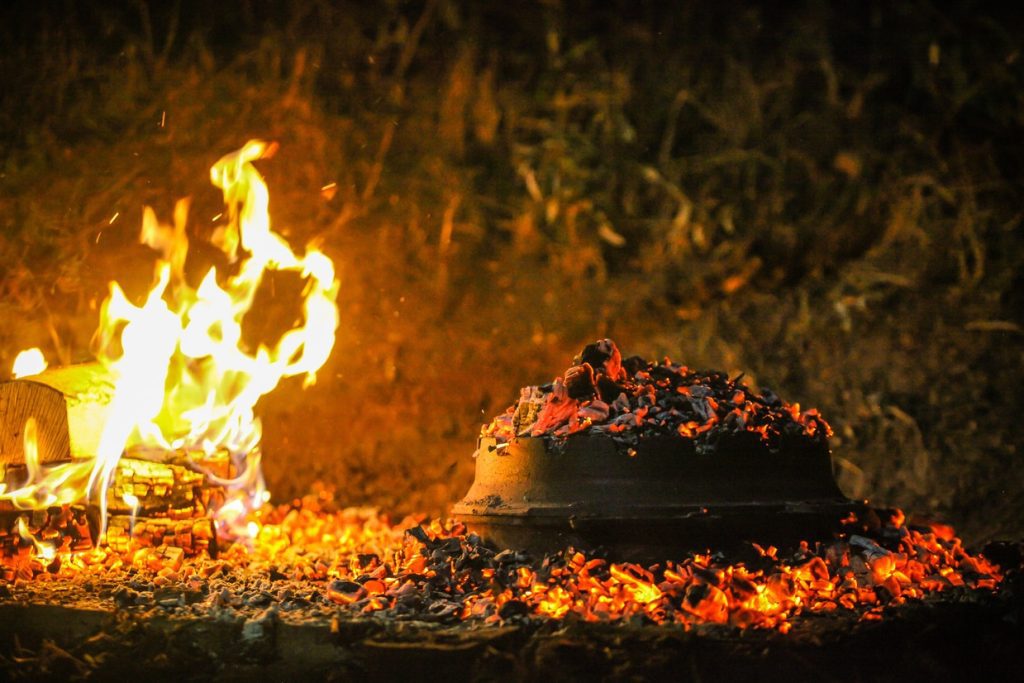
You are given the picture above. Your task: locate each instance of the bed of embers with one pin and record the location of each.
(309, 558)
(633, 398)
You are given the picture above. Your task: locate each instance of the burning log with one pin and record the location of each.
(166, 489)
(150, 505)
(156, 497)
(39, 536)
(151, 488)
(164, 505)
(70, 406)
(156, 500)
(185, 536)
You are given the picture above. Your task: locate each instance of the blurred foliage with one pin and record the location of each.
(826, 196)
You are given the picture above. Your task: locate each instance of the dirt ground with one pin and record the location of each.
(938, 641)
(827, 198)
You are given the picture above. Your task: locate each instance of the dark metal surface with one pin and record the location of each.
(666, 499)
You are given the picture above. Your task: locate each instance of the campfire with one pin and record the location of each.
(603, 496)
(156, 444)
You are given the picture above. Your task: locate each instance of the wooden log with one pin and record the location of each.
(153, 488)
(192, 536)
(171, 487)
(71, 406)
(20, 400)
(150, 489)
(156, 499)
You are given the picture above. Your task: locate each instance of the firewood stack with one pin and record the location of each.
(156, 500)
(164, 503)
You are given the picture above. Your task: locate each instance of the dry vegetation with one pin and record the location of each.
(828, 199)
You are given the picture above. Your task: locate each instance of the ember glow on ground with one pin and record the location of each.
(310, 555)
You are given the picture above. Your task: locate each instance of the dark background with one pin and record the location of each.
(826, 196)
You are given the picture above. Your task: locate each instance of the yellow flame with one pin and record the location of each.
(184, 379)
(29, 362)
(46, 551)
(45, 487)
(131, 500)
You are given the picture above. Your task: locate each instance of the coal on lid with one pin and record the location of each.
(633, 398)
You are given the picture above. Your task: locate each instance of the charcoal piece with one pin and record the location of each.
(608, 388)
(634, 364)
(513, 608)
(884, 595)
(579, 382)
(676, 402)
(596, 411)
(734, 421)
(420, 534)
(621, 405)
(700, 391)
(507, 555)
(604, 357)
(701, 408)
(697, 593)
(597, 353)
(707, 576)
(664, 372)
(345, 591)
(869, 546)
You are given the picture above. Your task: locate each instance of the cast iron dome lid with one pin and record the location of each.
(667, 493)
(665, 499)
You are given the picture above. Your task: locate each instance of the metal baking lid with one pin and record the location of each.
(667, 498)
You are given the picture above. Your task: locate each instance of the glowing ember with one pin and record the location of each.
(27, 363)
(355, 561)
(629, 399)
